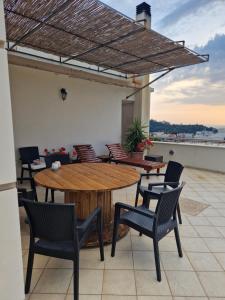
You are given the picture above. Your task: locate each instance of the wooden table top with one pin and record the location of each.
(88, 177)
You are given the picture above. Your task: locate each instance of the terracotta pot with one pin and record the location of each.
(137, 155)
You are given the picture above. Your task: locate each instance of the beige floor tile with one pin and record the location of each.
(58, 263)
(213, 283)
(47, 297)
(90, 282)
(119, 282)
(222, 212)
(198, 220)
(110, 297)
(90, 259)
(217, 221)
(84, 297)
(172, 261)
(190, 298)
(221, 230)
(168, 244)
(54, 281)
(187, 231)
(211, 212)
(184, 283)
(185, 220)
(144, 260)
(148, 285)
(207, 231)
(204, 262)
(36, 274)
(221, 258)
(25, 241)
(194, 245)
(122, 260)
(40, 261)
(141, 243)
(155, 298)
(124, 244)
(215, 244)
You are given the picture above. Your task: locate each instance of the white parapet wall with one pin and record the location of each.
(208, 157)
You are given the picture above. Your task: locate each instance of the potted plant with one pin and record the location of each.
(136, 140)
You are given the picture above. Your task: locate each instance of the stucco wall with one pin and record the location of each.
(11, 267)
(90, 114)
(196, 156)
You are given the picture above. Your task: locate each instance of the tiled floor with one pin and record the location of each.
(130, 275)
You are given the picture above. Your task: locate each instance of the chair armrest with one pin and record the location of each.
(162, 184)
(119, 206)
(149, 174)
(24, 178)
(95, 214)
(152, 174)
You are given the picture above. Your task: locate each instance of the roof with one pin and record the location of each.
(92, 32)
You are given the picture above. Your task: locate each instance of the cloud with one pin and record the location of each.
(193, 91)
(190, 7)
(200, 84)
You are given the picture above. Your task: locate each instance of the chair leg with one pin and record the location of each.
(100, 239)
(177, 236)
(22, 172)
(30, 173)
(115, 229)
(29, 271)
(157, 260)
(136, 198)
(46, 195)
(76, 279)
(52, 196)
(179, 213)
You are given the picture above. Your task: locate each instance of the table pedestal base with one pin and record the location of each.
(86, 202)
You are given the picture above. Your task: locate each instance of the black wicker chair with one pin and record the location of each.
(27, 157)
(25, 192)
(55, 231)
(155, 225)
(171, 180)
(64, 160)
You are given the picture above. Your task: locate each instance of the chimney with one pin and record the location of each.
(143, 13)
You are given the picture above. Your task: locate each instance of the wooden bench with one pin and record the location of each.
(119, 156)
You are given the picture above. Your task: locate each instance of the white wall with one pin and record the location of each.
(11, 268)
(192, 155)
(90, 114)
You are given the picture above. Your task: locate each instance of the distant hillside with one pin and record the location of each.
(166, 127)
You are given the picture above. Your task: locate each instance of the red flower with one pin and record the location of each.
(149, 142)
(140, 147)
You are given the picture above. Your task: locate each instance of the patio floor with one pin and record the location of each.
(130, 275)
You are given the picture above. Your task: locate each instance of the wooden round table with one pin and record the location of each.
(90, 185)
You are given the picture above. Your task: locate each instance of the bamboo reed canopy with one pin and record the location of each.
(92, 32)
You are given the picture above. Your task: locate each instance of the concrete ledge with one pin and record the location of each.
(206, 157)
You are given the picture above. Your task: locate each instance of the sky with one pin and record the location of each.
(193, 94)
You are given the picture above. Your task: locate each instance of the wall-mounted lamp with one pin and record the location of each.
(171, 152)
(63, 94)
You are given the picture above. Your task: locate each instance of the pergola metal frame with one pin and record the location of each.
(101, 67)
